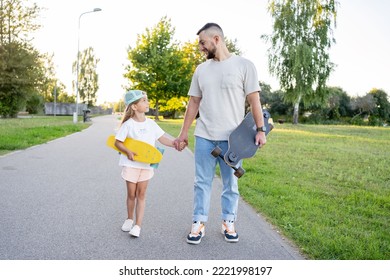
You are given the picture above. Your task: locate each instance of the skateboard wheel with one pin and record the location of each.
(239, 172)
(232, 158)
(216, 152)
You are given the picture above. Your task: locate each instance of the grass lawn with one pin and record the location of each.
(327, 188)
(21, 133)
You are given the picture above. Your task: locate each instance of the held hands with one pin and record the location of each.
(180, 144)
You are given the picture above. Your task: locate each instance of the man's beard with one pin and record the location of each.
(211, 53)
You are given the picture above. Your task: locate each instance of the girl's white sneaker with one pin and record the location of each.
(127, 225)
(135, 231)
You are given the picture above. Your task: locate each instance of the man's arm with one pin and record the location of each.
(189, 117)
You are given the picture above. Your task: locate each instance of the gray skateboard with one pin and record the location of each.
(241, 142)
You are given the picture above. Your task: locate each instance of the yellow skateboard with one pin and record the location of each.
(145, 152)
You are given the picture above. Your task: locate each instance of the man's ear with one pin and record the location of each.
(217, 39)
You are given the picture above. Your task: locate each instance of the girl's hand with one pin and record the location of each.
(130, 155)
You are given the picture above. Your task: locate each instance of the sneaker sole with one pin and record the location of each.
(133, 234)
(231, 240)
(195, 242)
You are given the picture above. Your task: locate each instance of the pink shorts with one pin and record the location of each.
(136, 175)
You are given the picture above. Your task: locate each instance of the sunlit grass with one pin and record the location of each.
(18, 134)
(327, 188)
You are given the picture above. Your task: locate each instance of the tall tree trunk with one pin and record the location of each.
(296, 110)
(157, 114)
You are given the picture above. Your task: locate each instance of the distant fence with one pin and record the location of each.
(97, 110)
(67, 109)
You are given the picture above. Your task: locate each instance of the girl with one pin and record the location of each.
(137, 174)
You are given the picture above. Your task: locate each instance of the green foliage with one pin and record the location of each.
(232, 46)
(174, 106)
(382, 110)
(192, 55)
(298, 56)
(17, 20)
(20, 64)
(157, 65)
(88, 77)
(336, 107)
(20, 72)
(163, 68)
(363, 105)
(34, 104)
(50, 87)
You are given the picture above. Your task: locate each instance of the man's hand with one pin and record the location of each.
(260, 140)
(181, 142)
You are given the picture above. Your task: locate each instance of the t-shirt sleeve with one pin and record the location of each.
(251, 82)
(194, 87)
(158, 130)
(122, 133)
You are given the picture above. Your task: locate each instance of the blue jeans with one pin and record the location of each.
(205, 165)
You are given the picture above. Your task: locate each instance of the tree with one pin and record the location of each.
(20, 64)
(298, 56)
(174, 106)
(17, 20)
(20, 71)
(382, 104)
(338, 104)
(336, 107)
(88, 78)
(192, 55)
(157, 65)
(363, 105)
(50, 86)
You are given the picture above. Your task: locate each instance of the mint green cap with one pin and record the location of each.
(133, 95)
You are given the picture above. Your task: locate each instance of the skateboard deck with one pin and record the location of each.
(241, 142)
(145, 152)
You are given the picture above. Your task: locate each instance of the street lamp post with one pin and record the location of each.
(75, 114)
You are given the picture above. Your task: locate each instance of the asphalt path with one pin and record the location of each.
(65, 200)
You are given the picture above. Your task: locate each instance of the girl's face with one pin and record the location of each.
(142, 105)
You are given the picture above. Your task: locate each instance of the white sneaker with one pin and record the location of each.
(135, 231)
(127, 225)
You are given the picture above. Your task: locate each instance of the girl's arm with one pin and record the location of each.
(122, 148)
(167, 140)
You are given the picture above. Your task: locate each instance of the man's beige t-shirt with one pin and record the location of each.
(223, 87)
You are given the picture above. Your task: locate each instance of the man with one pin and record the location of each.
(218, 92)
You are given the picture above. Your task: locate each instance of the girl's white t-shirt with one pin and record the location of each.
(147, 131)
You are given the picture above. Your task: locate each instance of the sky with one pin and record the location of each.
(361, 52)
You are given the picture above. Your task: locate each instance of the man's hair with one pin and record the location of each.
(212, 26)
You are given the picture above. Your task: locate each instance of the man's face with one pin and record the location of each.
(207, 45)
